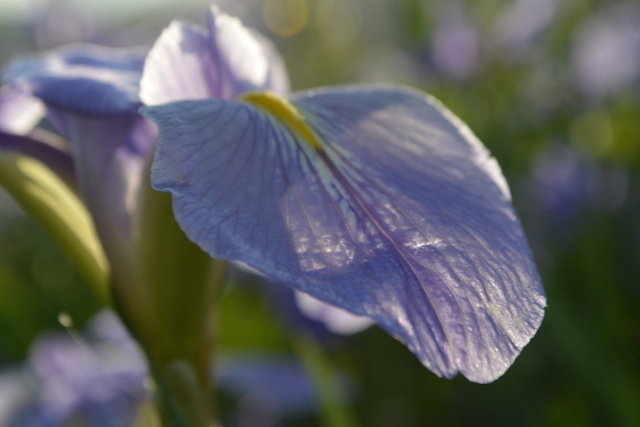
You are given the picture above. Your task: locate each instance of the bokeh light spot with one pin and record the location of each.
(285, 17)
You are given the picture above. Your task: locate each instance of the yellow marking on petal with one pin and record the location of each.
(284, 111)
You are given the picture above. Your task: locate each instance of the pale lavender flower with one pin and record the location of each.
(564, 184)
(606, 52)
(376, 199)
(522, 22)
(99, 380)
(456, 44)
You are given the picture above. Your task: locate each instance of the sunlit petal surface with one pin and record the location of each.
(179, 66)
(19, 113)
(401, 216)
(222, 61)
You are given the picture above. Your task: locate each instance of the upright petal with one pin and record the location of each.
(277, 77)
(246, 62)
(395, 211)
(179, 66)
(223, 61)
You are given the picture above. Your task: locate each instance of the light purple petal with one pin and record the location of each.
(403, 217)
(179, 66)
(86, 78)
(223, 61)
(102, 380)
(19, 113)
(336, 320)
(277, 77)
(109, 154)
(242, 61)
(16, 392)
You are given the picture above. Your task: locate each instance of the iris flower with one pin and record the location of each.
(375, 199)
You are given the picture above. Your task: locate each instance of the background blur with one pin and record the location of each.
(552, 88)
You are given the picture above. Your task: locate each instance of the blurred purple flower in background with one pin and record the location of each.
(100, 379)
(302, 311)
(522, 22)
(456, 44)
(97, 380)
(336, 320)
(606, 53)
(268, 386)
(564, 184)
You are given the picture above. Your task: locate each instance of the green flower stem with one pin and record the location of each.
(168, 304)
(325, 379)
(57, 209)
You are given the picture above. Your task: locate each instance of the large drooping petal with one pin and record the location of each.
(400, 214)
(223, 61)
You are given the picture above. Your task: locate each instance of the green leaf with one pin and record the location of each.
(56, 208)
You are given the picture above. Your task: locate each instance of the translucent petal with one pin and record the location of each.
(401, 216)
(88, 78)
(241, 59)
(179, 66)
(109, 154)
(222, 61)
(277, 78)
(19, 113)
